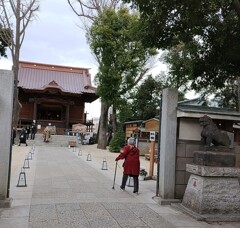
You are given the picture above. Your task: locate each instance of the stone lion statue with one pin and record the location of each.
(211, 133)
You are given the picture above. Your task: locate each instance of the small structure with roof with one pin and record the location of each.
(131, 127)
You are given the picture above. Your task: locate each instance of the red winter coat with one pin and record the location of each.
(132, 162)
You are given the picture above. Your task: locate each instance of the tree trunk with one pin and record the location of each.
(15, 57)
(103, 127)
(114, 119)
(16, 108)
(16, 104)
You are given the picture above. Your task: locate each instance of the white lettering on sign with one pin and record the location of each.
(152, 135)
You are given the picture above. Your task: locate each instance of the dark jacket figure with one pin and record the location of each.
(28, 130)
(131, 164)
(22, 137)
(14, 134)
(33, 131)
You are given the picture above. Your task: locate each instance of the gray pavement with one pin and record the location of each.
(65, 190)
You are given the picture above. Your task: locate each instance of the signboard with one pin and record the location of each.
(152, 135)
(79, 128)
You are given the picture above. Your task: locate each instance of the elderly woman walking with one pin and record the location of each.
(131, 164)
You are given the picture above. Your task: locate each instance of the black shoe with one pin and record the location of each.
(135, 192)
(123, 189)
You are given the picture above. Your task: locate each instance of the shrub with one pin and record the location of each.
(117, 141)
(143, 172)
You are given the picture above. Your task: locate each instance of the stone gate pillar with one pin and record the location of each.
(6, 106)
(168, 144)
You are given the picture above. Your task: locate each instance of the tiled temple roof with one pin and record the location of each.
(38, 76)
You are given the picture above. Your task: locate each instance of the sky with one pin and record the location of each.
(55, 37)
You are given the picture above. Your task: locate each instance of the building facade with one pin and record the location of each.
(54, 95)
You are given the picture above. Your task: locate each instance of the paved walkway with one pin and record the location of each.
(65, 190)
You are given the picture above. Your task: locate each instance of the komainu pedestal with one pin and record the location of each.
(214, 158)
(213, 193)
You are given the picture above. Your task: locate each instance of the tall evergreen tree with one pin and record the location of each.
(209, 31)
(146, 100)
(122, 58)
(5, 40)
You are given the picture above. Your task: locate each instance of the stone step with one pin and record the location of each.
(55, 140)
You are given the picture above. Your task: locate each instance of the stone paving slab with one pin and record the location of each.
(43, 212)
(53, 223)
(65, 190)
(16, 222)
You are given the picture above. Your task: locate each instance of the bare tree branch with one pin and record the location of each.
(12, 6)
(15, 16)
(90, 9)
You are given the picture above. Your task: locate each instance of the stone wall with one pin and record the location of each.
(185, 149)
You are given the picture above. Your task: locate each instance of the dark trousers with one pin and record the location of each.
(33, 136)
(135, 182)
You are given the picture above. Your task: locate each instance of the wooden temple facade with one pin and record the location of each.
(54, 95)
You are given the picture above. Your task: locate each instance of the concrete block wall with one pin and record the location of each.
(184, 155)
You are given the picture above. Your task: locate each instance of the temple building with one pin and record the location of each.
(54, 95)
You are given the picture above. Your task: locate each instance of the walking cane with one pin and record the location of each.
(114, 176)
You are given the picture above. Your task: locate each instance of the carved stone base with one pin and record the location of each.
(212, 158)
(223, 149)
(214, 193)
